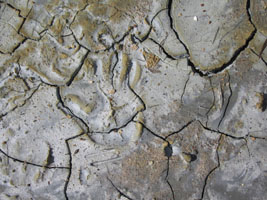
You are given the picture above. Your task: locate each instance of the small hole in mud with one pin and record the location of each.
(168, 151)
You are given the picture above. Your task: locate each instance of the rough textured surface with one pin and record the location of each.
(133, 99)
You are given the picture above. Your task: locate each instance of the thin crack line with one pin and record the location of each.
(150, 131)
(70, 163)
(162, 48)
(260, 57)
(113, 68)
(185, 85)
(232, 59)
(68, 109)
(216, 167)
(75, 73)
(213, 102)
(151, 26)
(25, 101)
(189, 62)
(118, 190)
(173, 196)
(242, 48)
(183, 127)
(167, 175)
(118, 128)
(228, 101)
(30, 163)
(222, 133)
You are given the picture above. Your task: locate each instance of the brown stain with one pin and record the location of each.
(262, 104)
(90, 27)
(151, 59)
(145, 165)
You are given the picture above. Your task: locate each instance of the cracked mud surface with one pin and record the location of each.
(133, 99)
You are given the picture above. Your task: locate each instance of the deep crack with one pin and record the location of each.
(225, 65)
(75, 73)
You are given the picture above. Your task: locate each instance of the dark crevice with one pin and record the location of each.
(113, 68)
(167, 175)
(173, 197)
(233, 58)
(168, 152)
(76, 40)
(165, 52)
(119, 191)
(118, 41)
(68, 110)
(46, 83)
(195, 69)
(122, 126)
(30, 163)
(16, 9)
(150, 28)
(241, 49)
(222, 133)
(150, 131)
(70, 163)
(21, 43)
(183, 127)
(78, 69)
(24, 19)
(168, 166)
(192, 156)
(133, 91)
(171, 23)
(41, 33)
(189, 62)
(236, 54)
